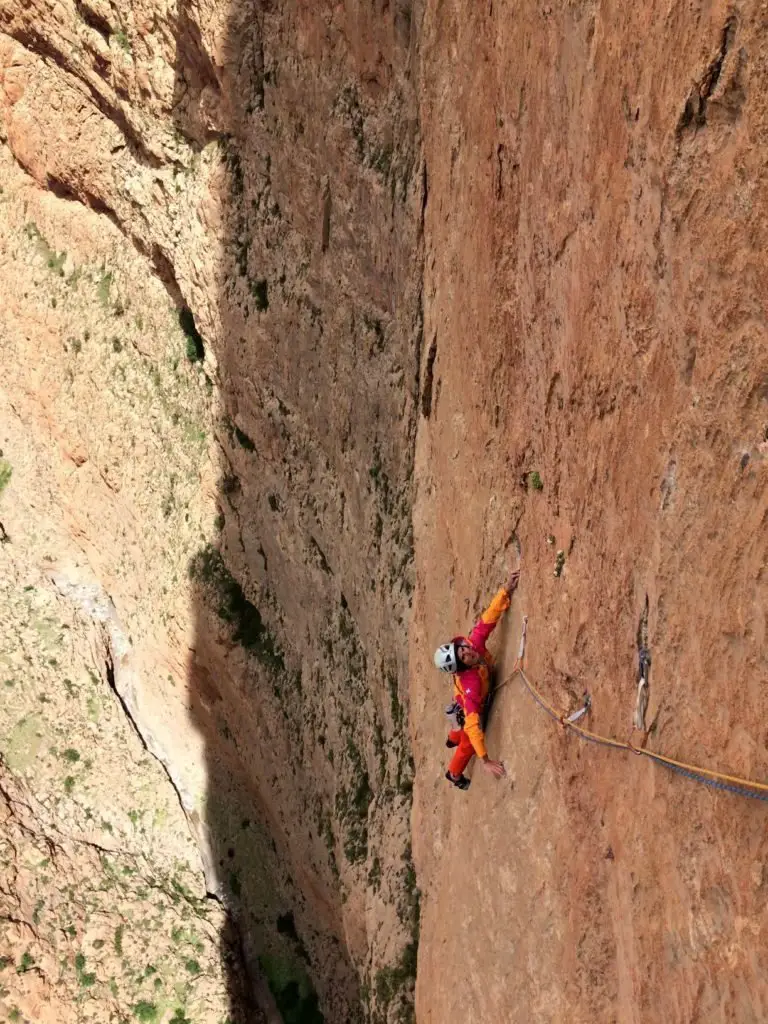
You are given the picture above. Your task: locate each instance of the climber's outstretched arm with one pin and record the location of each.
(494, 611)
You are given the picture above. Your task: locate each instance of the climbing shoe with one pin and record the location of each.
(459, 781)
(451, 744)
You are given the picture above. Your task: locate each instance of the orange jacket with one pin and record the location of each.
(470, 686)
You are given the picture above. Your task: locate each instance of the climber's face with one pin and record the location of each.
(467, 655)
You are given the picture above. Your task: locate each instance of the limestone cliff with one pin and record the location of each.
(311, 315)
(215, 423)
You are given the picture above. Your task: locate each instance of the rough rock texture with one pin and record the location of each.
(265, 166)
(594, 295)
(402, 279)
(104, 902)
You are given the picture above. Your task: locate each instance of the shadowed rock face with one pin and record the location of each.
(521, 230)
(265, 165)
(299, 667)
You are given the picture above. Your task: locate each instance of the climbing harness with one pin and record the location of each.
(454, 712)
(715, 779)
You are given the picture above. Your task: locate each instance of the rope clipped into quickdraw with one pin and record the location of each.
(523, 635)
(518, 660)
(714, 779)
(572, 719)
(643, 669)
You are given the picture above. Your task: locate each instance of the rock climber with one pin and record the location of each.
(470, 662)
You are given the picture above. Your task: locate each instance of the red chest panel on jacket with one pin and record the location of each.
(472, 688)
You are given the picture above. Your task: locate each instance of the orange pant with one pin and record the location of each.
(464, 752)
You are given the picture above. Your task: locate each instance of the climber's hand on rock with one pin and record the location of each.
(512, 581)
(495, 768)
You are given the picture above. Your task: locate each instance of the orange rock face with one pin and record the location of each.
(594, 274)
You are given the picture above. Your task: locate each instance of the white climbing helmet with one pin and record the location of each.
(445, 658)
